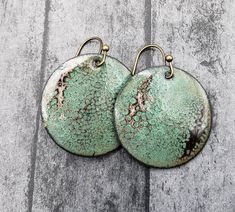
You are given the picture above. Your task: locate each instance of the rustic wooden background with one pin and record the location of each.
(37, 36)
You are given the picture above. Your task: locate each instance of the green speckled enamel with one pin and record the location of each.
(78, 104)
(163, 122)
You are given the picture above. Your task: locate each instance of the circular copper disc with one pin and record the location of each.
(163, 122)
(78, 103)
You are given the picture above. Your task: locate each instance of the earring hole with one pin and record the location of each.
(96, 61)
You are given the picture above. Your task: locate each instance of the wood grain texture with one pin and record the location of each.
(200, 35)
(21, 27)
(35, 37)
(64, 182)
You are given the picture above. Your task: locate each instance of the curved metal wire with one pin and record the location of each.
(166, 58)
(103, 49)
(87, 41)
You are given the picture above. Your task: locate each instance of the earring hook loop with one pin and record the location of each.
(166, 59)
(104, 48)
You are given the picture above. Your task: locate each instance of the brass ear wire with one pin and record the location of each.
(142, 50)
(87, 41)
(169, 59)
(104, 48)
(166, 59)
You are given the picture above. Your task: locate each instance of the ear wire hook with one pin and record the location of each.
(104, 48)
(166, 59)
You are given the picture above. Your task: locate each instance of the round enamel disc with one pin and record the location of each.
(163, 122)
(78, 103)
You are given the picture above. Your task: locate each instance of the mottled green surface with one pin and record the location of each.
(78, 103)
(161, 122)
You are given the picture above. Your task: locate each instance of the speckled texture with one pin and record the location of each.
(37, 175)
(163, 123)
(78, 103)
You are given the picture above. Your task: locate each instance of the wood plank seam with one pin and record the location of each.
(35, 139)
(148, 61)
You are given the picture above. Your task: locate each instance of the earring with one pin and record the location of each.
(162, 115)
(78, 102)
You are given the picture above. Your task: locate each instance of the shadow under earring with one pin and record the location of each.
(162, 115)
(78, 102)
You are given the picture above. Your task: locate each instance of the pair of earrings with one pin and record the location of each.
(161, 115)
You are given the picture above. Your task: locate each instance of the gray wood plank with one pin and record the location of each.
(115, 182)
(200, 35)
(21, 30)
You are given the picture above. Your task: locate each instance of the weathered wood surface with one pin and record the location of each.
(37, 175)
(21, 30)
(64, 182)
(200, 35)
